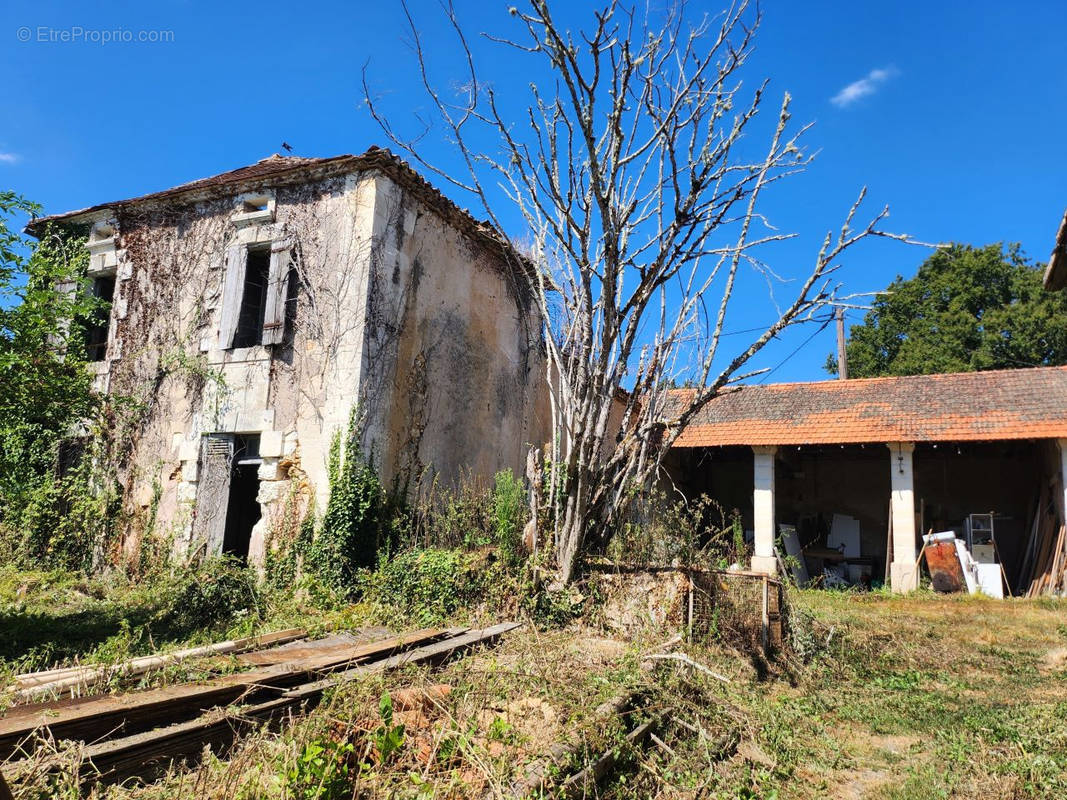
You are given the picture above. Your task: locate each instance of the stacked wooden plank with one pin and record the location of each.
(1044, 565)
(141, 733)
(76, 680)
(1050, 578)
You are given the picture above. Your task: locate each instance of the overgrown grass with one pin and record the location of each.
(903, 697)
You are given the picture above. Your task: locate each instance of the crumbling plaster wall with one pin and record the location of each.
(294, 394)
(397, 313)
(454, 367)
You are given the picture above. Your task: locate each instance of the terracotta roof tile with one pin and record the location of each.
(966, 406)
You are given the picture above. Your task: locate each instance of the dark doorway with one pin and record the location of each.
(242, 507)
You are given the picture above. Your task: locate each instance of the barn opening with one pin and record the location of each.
(834, 502)
(841, 482)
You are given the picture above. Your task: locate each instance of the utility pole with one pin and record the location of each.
(842, 359)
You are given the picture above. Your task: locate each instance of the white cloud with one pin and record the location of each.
(8, 158)
(863, 87)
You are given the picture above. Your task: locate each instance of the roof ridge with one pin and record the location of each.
(276, 165)
(838, 383)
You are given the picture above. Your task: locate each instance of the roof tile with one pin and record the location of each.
(966, 406)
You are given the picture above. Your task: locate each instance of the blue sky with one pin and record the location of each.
(958, 126)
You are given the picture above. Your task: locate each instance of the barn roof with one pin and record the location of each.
(966, 406)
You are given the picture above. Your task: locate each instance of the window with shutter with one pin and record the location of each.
(277, 291)
(254, 295)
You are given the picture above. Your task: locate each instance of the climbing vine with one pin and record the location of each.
(349, 536)
(54, 509)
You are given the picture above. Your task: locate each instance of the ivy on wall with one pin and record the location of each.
(348, 538)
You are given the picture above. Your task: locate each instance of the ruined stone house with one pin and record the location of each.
(253, 312)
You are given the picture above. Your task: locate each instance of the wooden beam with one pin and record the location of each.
(32, 686)
(149, 753)
(103, 717)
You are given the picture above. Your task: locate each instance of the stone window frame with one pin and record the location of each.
(235, 260)
(254, 208)
(107, 259)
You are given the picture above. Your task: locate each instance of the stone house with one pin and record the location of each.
(253, 313)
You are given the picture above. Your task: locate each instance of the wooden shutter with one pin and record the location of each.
(277, 287)
(232, 288)
(213, 492)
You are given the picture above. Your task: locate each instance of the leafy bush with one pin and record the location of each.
(210, 597)
(696, 532)
(322, 771)
(427, 585)
(50, 513)
(509, 515)
(387, 737)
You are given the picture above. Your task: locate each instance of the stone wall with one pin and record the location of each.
(391, 311)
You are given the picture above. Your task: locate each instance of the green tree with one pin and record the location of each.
(967, 309)
(45, 388)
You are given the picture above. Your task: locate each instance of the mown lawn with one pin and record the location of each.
(923, 697)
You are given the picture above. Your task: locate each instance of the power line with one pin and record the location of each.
(773, 369)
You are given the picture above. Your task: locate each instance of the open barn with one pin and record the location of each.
(848, 474)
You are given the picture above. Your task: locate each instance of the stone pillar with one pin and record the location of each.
(902, 573)
(763, 559)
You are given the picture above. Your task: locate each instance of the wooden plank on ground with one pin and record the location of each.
(102, 717)
(428, 654)
(83, 677)
(148, 753)
(229, 647)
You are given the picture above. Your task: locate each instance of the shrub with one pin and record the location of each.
(509, 515)
(322, 771)
(425, 584)
(210, 597)
(696, 532)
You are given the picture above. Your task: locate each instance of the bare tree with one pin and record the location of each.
(642, 209)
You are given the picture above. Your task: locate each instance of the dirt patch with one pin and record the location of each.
(894, 745)
(533, 721)
(1054, 660)
(603, 651)
(861, 784)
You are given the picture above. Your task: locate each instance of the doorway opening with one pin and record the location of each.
(242, 507)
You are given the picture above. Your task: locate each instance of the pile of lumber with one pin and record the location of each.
(1044, 564)
(140, 734)
(76, 680)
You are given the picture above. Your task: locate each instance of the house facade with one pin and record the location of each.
(257, 314)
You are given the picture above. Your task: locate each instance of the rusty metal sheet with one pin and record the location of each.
(946, 572)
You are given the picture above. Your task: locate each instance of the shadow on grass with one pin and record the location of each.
(131, 620)
(38, 637)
